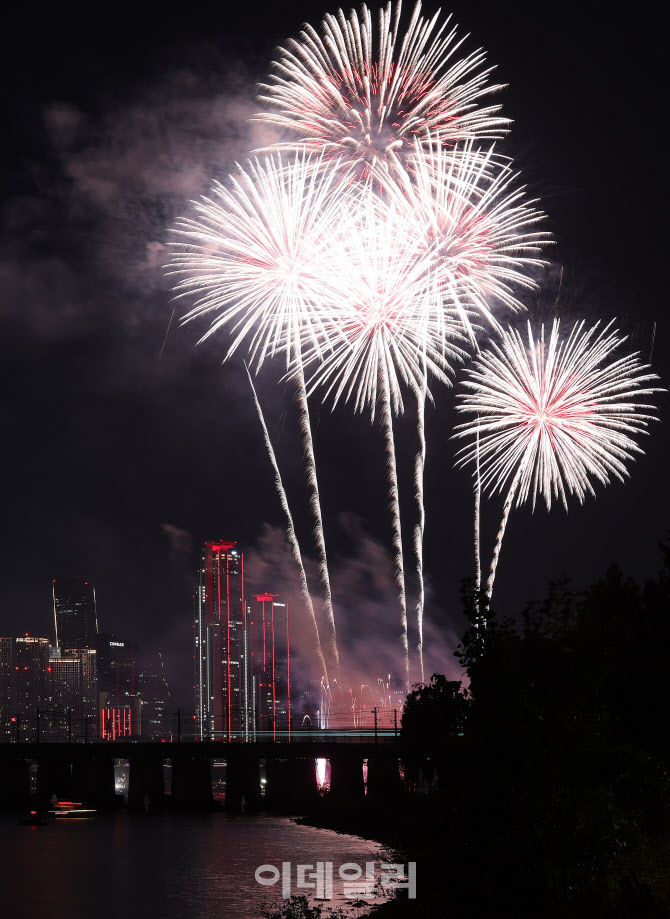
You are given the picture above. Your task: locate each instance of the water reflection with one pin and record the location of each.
(163, 867)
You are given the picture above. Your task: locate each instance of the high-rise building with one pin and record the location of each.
(242, 660)
(118, 687)
(32, 671)
(73, 713)
(117, 665)
(154, 697)
(221, 651)
(270, 676)
(5, 688)
(75, 613)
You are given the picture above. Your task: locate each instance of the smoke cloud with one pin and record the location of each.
(367, 611)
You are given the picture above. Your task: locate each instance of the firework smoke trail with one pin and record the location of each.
(290, 529)
(551, 415)
(507, 507)
(478, 501)
(394, 499)
(319, 535)
(419, 467)
(366, 95)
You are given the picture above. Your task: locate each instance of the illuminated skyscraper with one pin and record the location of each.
(270, 677)
(73, 705)
(221, 648)
(33, 684)
(117, 665)
(154, 697)
(5, 688)
(75, 614)
(119, 701)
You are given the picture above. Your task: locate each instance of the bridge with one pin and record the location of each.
(85, 772)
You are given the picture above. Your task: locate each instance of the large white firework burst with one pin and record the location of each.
(552, 415)
(366, 95)
(256, 254)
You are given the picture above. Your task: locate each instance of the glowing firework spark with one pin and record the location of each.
(480, 231)
(552, 415)
(256, 256)
(366, 96)
(441, 244)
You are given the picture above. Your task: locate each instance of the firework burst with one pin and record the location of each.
(550, 415)
(387, 327)
(255, 255)
(366, 95)
(479, 227)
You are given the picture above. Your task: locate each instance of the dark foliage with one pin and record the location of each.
(550, 782)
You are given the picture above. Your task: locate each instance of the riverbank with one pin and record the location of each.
(460, 881)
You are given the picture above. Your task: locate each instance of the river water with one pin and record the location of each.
(165, 866)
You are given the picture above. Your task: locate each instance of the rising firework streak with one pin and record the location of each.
(293, 540)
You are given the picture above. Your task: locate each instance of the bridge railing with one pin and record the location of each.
(47, 725)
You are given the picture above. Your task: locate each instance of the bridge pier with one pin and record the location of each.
(384, 777)
(93, 783)
(191, 783)
(303, 787)
(346, 777)
(145, 780)
(277, 775)
(291, 783)
(14, 784)
(242, 781)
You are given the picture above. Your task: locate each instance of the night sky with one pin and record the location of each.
(119, 459)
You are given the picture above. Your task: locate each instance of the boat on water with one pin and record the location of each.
(71, 809)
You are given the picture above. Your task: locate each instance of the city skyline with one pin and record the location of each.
(154, 443)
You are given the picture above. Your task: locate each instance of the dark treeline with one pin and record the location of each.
(547, 769)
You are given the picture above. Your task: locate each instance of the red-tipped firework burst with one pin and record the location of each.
(367, 95)
(549, 416)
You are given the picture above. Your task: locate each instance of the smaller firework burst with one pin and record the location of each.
(555, 414)
(550, 416)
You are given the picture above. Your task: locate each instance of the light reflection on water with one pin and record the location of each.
(162, 867)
